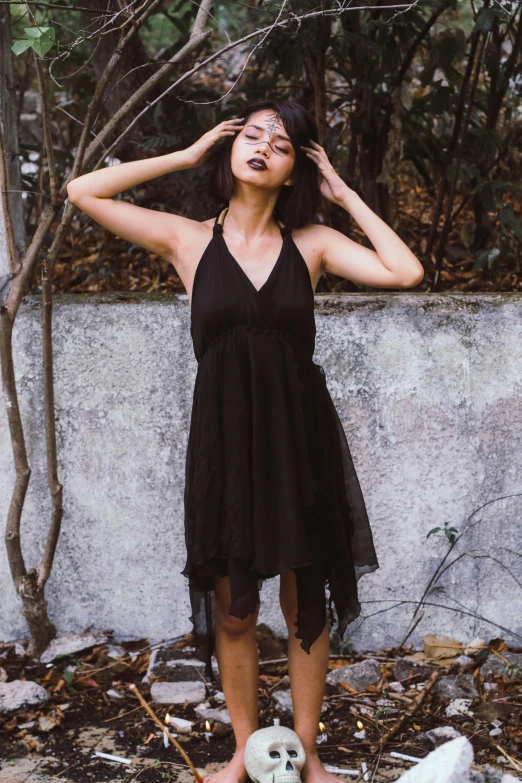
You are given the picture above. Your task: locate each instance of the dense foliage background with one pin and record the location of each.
(418, 107)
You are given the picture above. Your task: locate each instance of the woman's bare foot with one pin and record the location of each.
(234, 772)
(314, 772)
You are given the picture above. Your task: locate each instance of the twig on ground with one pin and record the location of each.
(430, 682)
(164, 728)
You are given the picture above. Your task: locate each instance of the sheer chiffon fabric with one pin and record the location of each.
(270, 481)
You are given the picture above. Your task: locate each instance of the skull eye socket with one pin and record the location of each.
(292, 753)
(274, 754)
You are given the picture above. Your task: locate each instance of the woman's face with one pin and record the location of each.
(264, 137)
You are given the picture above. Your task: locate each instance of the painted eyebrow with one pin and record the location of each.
(258, 127)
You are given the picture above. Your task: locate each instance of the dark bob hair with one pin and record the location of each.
(297, 204)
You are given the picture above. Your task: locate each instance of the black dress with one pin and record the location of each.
(270, 484)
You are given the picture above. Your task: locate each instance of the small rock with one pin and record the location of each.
(3, 675)
(358, 675)
(494, 665)
(490, 686)
(45, 723)
(405, 668)
(19, 693)
(178, 692)
(462, 660)
(114, 694)
(171, 665)
(213, 714)
(73, 643)
(457, 686)
(495, 732)
(396, 687)
(459, 707)
(283, 702)
(474, 646)
(439, 735)
(116, 651)
(219, 696)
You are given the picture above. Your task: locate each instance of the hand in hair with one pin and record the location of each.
(331, 185)
(199, 152)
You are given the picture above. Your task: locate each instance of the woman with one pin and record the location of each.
(270, 484)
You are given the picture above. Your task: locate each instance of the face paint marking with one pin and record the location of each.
(273, 124)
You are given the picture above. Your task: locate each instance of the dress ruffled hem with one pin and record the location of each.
(245, 587)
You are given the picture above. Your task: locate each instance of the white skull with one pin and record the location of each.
(274, 755)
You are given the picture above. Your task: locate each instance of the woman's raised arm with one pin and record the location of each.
(160, 232)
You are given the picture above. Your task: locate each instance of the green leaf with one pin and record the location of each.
(19, 47)
(40, 39)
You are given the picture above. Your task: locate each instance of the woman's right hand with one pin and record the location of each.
(199, 152)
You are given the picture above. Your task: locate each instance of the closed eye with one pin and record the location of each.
(255, 137)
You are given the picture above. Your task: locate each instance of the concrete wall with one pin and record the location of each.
(428, 388)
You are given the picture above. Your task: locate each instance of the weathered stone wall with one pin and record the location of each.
(428, 388)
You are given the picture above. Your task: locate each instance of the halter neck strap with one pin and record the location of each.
(220, 219)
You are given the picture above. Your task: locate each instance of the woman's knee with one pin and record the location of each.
(229, 623)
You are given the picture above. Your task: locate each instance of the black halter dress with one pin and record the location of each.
(269, 480)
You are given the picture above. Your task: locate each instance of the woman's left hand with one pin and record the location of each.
(331, 185)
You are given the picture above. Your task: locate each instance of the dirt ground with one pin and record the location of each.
(91, 708)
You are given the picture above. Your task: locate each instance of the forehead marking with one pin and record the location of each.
(273, 125)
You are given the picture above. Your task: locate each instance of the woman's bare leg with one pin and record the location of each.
(307, 672)
(237, 657)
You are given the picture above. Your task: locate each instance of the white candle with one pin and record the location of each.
(111, 757)
(165, 736)
(362, 733)
(323, 736)
(397, 755)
